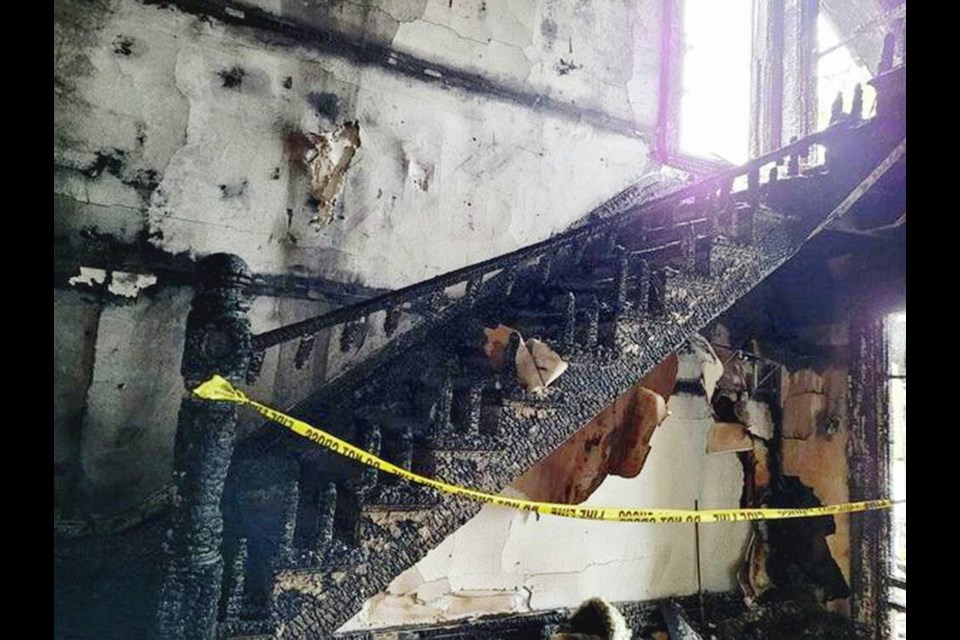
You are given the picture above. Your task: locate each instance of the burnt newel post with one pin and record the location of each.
(217, 342)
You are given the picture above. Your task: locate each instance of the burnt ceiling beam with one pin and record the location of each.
(286, 32)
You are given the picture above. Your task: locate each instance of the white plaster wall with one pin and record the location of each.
(509, 561)
(502, 175)
(591, 54)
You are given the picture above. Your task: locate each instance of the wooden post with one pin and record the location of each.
(217, 342)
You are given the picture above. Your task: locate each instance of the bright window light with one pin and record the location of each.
(715, 102)
(838, 72)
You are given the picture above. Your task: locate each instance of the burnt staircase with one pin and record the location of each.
(309, 536)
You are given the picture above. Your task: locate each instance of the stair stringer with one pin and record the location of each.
(315, 603)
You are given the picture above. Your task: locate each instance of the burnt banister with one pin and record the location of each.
(587, 230)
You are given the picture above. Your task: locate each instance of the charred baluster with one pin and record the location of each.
(611, 242)
(291, 504)
(581, 251)
(544, 268)
(256, 364)
(793, 165)
(640, 229)
(593, 322)
(753, 187)
(621, 303)
(326, 512)
(856, 107)
(623, 276)
(886, 55)
(658, 291)
(509, 373)
(836, 109)
(435, 301)
(510, 281)
(743, 216)
(721, 208)
(441, 419)
(368, 478)
(704, 251)
(353, 335)
(701, 200)
(472, 290)
(743, 224)
(217, 341)
(236, 567)
(688, 244)
(351, 525)
(304, 349)
(570, 323)
(642, 299)
(405, 453)
(392, 320)
(474, 407)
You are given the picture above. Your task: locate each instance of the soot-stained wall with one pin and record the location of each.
(507, 561)
(181, 133)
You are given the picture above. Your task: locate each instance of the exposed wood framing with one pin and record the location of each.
(869, 459)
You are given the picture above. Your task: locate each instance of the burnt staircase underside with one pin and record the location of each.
(310, 536)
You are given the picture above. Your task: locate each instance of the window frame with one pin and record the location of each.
(783, 97)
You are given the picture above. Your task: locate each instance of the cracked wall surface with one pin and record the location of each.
(174, 129)
(506, 561)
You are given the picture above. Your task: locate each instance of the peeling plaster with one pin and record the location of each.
(327, 163)
(89, 276)
(130, 285)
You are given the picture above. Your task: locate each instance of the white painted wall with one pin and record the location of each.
(503, 175)
(510, 561)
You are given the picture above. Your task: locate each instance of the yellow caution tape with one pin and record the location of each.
(217, 388)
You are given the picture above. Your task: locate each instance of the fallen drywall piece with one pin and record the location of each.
(757, 417)
(616, 442)
(537, 364)
(549, 364)
(327, 162)
(711, 367)
(728, 437)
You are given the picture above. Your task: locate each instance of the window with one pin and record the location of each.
(838, 73)
(704, 109)
(740, 78)
(715, 87)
